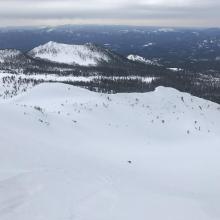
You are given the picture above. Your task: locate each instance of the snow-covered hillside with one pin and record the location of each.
(6, 55)
(141, 59)
(83, 55)
(67, 153)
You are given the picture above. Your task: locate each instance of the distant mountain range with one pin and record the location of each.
(87, 55)
(110, 71)
(166, 44)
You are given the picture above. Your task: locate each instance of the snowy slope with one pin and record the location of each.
(65, 152)
(7, 54)
(83, 55)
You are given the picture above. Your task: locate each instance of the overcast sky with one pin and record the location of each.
(130, 12)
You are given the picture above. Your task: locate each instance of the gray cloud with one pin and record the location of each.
(164, 12)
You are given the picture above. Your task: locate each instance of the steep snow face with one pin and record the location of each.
(68, 153)
(141, 59)
(7, 54)
(83, 55)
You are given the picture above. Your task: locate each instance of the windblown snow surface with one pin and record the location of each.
(70, 154)
(83, 55)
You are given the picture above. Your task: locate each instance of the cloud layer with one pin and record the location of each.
(140, 12)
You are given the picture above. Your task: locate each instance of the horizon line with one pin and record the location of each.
(109, 25)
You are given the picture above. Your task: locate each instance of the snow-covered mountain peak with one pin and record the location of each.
(141, 59)
(83, 55)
